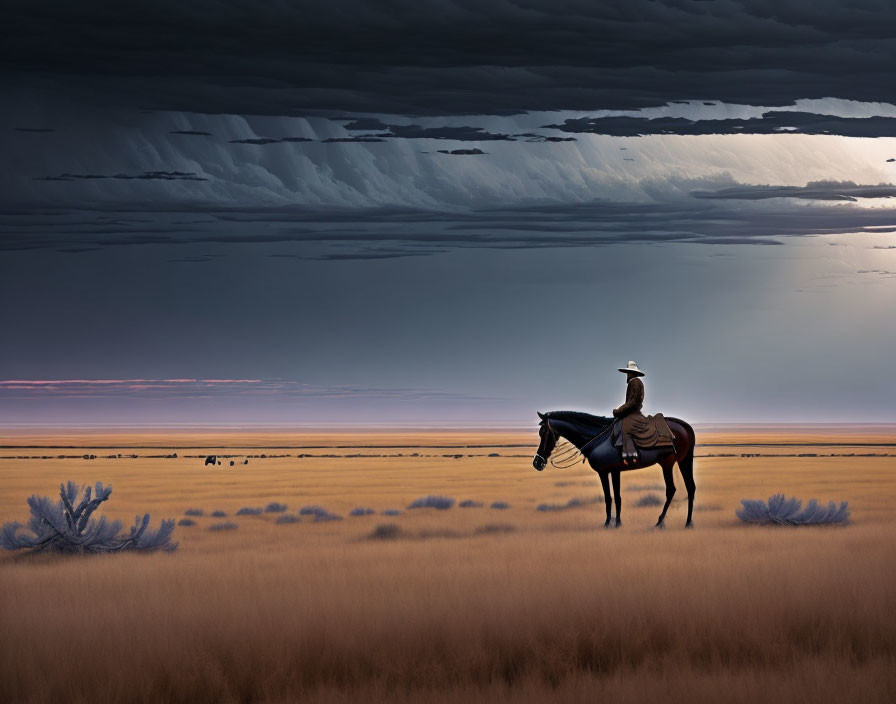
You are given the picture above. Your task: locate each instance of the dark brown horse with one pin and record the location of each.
(593, 436)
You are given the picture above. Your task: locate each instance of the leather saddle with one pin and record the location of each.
(656, 433)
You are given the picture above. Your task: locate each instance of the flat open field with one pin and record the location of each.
(466, 604)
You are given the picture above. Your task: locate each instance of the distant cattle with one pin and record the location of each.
(245, 461)
(211, 459)
(231, 463)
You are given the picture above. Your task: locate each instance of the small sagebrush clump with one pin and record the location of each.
(321, 515)
(441, 503)
(275, 507)
(500, 505)
(574, 502)
(469, 503)
(219, 514)
(492, 528)
(247, 511)
(648, 500)
(287, 518)
(386, 531)
(66, 526)
(391, 512)
(186, 522)
(193, 512)
(223, 526)
(361, 511)
(789, 512)
(324, 517)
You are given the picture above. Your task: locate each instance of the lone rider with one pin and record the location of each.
(630, 412)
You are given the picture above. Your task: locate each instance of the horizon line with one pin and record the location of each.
(408, 426)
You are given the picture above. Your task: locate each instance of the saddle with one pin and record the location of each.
(646, 431)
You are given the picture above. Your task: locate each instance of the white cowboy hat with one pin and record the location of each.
(632, 368)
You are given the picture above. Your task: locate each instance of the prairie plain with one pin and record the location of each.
(465, 604)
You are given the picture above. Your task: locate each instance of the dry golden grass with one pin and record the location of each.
(557, 608)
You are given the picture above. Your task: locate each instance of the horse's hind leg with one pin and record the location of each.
(618, 498)
(686, 465)
(605, 483)
(667, 466)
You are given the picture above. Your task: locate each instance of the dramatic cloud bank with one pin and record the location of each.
(453, 57)
(385, 186)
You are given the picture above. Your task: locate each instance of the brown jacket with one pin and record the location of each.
(634, 399)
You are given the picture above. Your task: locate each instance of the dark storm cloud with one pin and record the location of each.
(145, 176)
(820, 190)
(462, 152)
(531, 137)
(270, 140)
(366, 124)
(771, 122)
(394, 232)
(458, 56)
(461, 134)
(194, 133)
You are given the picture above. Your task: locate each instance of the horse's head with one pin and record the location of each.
(547, 443)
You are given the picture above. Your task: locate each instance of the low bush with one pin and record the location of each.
(574, 502)
(361, 511)
(193, 512)
(287, 518)
(649, 500)
(66, 526)
(223, 526)
(790, 512)
(492, 528)
(324, 517)
(247, 511)
(500, 505)
(441, 503)
(186, 522)
(386, 531)
(469, 503)
(275, 507)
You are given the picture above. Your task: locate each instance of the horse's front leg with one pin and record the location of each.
(616, 474)
(608, 500)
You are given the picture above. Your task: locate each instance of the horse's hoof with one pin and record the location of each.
(618, 524)
(689, 525)
(660, 526)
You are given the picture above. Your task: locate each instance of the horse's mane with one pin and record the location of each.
(580, 417)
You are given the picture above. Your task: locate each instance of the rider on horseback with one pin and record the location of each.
(630, 412)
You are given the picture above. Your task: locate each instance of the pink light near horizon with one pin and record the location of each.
(55, 382)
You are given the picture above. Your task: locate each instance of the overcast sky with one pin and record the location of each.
(446, 213)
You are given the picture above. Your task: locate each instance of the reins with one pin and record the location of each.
(568, 457)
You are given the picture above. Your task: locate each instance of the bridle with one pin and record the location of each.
(564, 462)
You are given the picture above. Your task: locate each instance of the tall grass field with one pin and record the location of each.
(456, 603)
